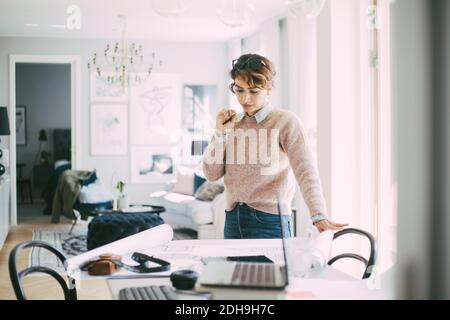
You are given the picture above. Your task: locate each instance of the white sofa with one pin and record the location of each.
(183, 211)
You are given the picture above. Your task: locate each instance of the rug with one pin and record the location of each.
(74, 244)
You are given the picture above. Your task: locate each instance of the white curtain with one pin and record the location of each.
(302, 94)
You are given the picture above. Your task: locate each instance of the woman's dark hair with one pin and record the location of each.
(256, 70)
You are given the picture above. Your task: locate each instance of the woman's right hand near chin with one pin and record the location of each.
(226, 119)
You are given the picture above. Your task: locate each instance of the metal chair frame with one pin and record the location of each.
(370, 263)
(16, 277)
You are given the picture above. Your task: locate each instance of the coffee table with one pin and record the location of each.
(94, 210)
(134, 208)
(109, 226)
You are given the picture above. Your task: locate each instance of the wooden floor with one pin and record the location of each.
(40, 287)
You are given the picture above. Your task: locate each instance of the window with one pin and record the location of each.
(355, 139)
(198, 121)
(379, 136)
(386, 179)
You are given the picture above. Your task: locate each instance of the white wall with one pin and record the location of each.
(198, 63)
(266, 42)
(411, 56)
(270, 48)
(234, 51)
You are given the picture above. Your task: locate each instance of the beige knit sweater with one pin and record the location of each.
(260, 159)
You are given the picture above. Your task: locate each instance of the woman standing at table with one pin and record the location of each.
(261, 153)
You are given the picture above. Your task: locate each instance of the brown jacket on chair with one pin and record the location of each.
(67, 191)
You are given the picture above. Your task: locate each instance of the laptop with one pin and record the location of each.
(258, 275)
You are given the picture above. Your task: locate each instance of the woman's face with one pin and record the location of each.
(251, 99)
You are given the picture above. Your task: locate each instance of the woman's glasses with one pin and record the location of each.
(241, 91)
(253, 63)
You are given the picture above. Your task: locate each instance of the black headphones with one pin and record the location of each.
(143, 261)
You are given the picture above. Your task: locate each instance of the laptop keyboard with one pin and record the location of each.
(257, 274)
(154, 292)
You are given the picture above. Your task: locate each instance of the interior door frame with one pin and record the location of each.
(75, 112)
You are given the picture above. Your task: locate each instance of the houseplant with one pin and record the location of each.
(122, 200)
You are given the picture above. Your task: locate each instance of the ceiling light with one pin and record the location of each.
(308, 8)
(235, 13)
(31, 25)
(123, 62)
(169, 8)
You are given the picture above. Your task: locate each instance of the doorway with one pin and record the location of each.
(33, 165)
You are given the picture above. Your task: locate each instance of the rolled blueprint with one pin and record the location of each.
(321, 249)
(153, 237)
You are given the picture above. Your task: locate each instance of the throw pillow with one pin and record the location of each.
(185, 181)
(198, 181)
(91, 179)
(208, 191)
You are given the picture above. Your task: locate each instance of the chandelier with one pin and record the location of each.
(308, 8)
(235, 13)
(168, 8)
(123, 63)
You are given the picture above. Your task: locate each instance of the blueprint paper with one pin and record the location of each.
(153, 237)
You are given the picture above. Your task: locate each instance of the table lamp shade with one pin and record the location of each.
(42, 135)
(4, 122)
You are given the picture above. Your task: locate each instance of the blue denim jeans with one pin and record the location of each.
(244, 222)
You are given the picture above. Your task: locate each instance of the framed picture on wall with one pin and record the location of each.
(103, 91)
(153, 164)
(21, 125)
(109, 129)
(155, 110)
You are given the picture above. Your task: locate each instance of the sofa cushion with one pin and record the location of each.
(198, 181)
(173, 202)
(208, 191)
(92, 178)
(185, 181)
(199, 211)
(219, 207)
(95, 192)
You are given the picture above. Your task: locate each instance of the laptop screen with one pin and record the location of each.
(284, 235)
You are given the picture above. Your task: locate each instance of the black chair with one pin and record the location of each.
(369, 264)
(69, 289)
(85, 210)
(23, 182)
